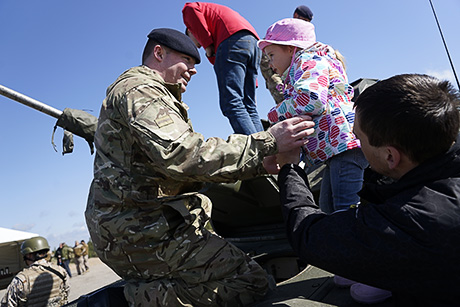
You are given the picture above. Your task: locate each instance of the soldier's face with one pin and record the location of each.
(179, 68)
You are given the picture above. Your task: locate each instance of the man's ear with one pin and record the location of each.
(158, 53)
(393, 157)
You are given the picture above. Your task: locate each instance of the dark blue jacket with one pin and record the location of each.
(405, 237)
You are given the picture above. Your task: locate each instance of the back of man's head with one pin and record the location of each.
(417, 114)
(303, 12)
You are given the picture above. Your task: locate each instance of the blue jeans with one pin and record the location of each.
(342, 180)
(65, 265)
(236, 65)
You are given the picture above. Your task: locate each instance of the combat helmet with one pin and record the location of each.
(33, 245)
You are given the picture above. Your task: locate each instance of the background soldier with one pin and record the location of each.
(66, 256)
(78, 251)
(41, 283)
(85, 255)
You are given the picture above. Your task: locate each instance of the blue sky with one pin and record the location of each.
(66, 53)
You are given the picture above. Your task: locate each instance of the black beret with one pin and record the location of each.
(304, 11)
(175, 40)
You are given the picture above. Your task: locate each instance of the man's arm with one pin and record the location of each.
(347, 243)
(298, 205)
(182, 154)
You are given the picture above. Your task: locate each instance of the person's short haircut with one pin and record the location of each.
(304, 12)
(148, 49)
(417, 114)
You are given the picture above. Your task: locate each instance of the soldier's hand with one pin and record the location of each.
(292, 132)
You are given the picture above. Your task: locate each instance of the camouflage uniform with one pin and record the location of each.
(38, 285)
(273, 81)
(85, 255)
(78, 251)
(146, 218)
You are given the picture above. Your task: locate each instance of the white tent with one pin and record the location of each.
(10, 253)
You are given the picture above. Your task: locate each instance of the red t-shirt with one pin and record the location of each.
(212, 23)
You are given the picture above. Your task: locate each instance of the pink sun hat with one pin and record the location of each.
(289, 31)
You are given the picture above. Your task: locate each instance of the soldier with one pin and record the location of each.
(78, 251)
(41, 283)
(66, 256)
(85, 254)
(144, 213)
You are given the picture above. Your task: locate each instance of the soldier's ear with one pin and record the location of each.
(158, 53)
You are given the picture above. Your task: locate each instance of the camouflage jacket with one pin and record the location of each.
(144, 203)
(273, 81)
(146, 146)
(41, 284)
(67, 253)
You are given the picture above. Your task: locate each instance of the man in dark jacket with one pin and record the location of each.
(405, 236)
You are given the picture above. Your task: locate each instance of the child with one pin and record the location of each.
(315, 83)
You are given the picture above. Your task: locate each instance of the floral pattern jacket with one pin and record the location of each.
(316, 84)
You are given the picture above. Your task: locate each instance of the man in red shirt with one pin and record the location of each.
(230, 42)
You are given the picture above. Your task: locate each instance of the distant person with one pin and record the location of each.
(58, 255)
(67, 256)
(78, 251)
(273, 81)
(147, 219)
(405, 236)
(41, 283)
(230, 42)
(85, 255)
(303, 12)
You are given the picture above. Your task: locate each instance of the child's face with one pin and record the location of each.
(280, 57)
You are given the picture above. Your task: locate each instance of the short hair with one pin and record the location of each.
(149, 47)
(148, 50)
(304, 12)
(415, 113)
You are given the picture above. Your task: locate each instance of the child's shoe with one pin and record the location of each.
(343, 282)
(365, 294)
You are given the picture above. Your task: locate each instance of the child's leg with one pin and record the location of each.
(326, 202)
(346, 177)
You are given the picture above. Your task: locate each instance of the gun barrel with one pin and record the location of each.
(35, 104)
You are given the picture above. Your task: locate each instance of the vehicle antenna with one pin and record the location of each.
(445, 45)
